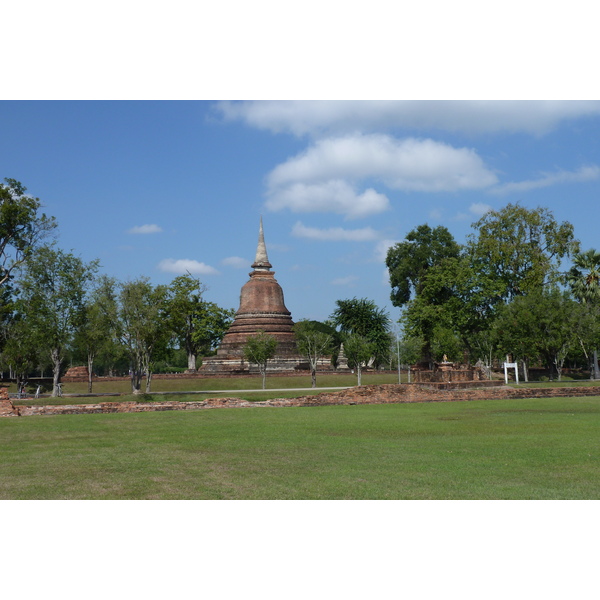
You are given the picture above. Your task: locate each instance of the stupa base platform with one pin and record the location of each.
(235, 365)
(239, 366)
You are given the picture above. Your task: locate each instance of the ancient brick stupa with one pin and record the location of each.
(262, 308)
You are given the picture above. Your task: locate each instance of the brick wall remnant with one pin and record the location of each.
(368, 394)
(7, 408)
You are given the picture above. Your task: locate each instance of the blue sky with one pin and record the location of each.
(152, 188)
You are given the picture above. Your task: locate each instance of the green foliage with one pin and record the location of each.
(421, 279)
(358, 350)
(98, 333)
(143, 327)
(258, 350)
(362, 317)
(314, 341)
(519, 249)
(22, 228)
(547, 324)
(52, 298)
(408, 262)
(197, 325)
(584, 276)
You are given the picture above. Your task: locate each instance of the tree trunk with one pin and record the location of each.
(136, 381)
(191, 362)
(263, 371)
(313, 376)
(56, 364)
(596, 370)
(90, 371)
(359, 373)
(525, 371)
(148, 381)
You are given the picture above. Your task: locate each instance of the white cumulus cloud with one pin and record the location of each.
(326, 177)
(479, 208)
(185, 265)
(588, 173)
(474, 117)
(144, 229)
(382, 247)
(407, 164)
(334, 196)
(237, 262)
(345, 280)
(334, 234)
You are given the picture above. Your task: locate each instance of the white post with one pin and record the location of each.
(508, 365)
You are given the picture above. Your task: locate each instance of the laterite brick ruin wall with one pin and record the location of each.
(372, 394)
(6, 406)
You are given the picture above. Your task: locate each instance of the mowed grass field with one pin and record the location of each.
(178, 387)
(497, 449)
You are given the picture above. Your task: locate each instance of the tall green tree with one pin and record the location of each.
(358, 351)
(362, 317)
(22, 226)
(258, 350)
(143, 327)
(411, 265)
(98, 331)
(197, 325)
(547, 324)
(20, 353)
(52, 297)
(314, 342)
(518, 250)
(584, 281)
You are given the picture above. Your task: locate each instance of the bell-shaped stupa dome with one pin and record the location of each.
(262, 308)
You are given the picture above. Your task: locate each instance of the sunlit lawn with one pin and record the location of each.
(179, 385)
(538, 448)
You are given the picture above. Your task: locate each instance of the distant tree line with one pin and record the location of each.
(56, 309)
(505, 291)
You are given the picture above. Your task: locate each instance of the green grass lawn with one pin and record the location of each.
(228, 383)
(500, 449)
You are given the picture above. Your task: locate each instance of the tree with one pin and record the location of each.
(259, 349)
(197, 325)
(362, 317)
(410, 264)
(313, 343)
(519, 250)
(546, 324)
(143, 327)
(184, 306)
(212, 324)
(97, 333)
(20, 351)
(22, 228)
(584, 281)
(358, 350)
(52, 301)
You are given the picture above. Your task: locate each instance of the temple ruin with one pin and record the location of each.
(262, 308)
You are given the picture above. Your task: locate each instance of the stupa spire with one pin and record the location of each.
(261, 262)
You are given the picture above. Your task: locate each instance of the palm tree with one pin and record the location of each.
(584, 280)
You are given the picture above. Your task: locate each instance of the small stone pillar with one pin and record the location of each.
(445, 369)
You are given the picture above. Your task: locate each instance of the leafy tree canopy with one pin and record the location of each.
(22, 228)
(362, 317)
(520, 249)
(408, 262)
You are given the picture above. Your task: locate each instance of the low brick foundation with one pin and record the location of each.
(371, 394)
